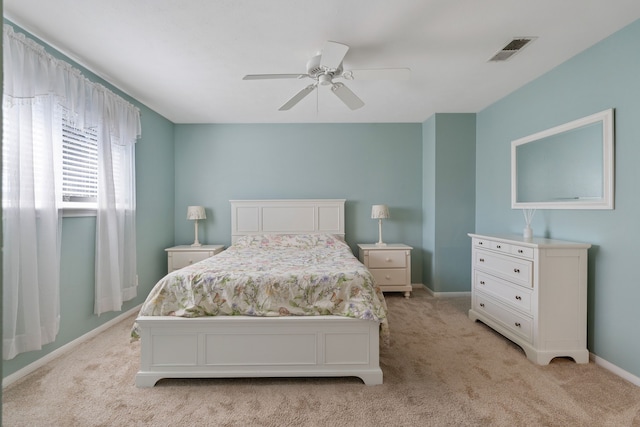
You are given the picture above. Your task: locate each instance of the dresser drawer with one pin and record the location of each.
(522, 251)
(389, 276)
(507, 248)
(183, 259)
(387, 259)
(513, 269)
(521, 325)
(492, 244)
(516, 296)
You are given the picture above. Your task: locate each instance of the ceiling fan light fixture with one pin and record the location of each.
(324, 79)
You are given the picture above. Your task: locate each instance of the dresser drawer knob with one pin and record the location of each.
(481, 259)
(518, 297)
(482, 304)
(498, 246)
(482, 282)
(516, 270)
(480, 243)
(388, 259)
(387, 277)
(518, 324)
(520, 251)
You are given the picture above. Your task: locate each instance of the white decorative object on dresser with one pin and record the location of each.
(389, 264)
(184, 255)
(534, 292)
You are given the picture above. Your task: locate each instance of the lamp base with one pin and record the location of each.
(380, 242)
(196, 242)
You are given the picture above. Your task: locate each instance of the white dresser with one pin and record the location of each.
(184, 255)
(533, 292)
(390, 266)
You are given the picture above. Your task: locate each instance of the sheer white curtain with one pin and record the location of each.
(116, 273)
(31, 228)
(37, 88)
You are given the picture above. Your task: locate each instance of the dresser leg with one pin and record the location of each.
(407, 294)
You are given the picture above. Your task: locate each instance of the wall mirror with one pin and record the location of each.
(570, 166)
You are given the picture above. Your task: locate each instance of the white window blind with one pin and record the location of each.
(79, 165)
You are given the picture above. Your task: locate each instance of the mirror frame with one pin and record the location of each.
(606, 201)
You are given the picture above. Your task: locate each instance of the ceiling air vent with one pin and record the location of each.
(513, 47)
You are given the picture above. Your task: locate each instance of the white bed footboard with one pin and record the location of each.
(243, 346)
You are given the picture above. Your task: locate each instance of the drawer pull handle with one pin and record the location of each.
(518, 297)
(480, 243)
(498, 246)
(482, 304)
(520, 251)
(518, 324)
(482, 282)
(516, 270)
(481, 260)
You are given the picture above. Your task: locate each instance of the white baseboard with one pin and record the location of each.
(616, 370)
(442, 294)
(10, 379)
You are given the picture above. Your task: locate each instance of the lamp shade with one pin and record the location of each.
(379, 212)
(196, 212)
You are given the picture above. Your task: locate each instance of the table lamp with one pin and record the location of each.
(380, 212)
(196, 213)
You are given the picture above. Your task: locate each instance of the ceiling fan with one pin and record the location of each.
(327, 66)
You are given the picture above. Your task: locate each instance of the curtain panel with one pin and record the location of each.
(37, 90)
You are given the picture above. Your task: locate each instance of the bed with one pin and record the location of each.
(193, 325)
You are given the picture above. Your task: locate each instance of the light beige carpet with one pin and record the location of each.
(440, 370)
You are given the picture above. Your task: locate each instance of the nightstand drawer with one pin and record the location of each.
(183, 259)
(387, 259)
(389, 276)
(182, 256)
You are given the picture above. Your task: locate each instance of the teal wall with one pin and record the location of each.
(449, 200)
(428, 200)
(602, 77)
(364, 163)
(154, 220)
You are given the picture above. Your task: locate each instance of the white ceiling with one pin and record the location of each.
(186, 59)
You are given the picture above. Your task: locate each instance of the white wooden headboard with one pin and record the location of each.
(294, 216)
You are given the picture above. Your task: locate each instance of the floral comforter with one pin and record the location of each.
(272, 275)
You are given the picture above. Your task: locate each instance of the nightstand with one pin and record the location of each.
(390, 266)
(184, 255)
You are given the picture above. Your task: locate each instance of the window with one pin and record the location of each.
(79, 166)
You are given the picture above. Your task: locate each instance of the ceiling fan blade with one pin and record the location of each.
(273, 76)
(298, 97)
(332, 55)
(349, 98)
(378, 74)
